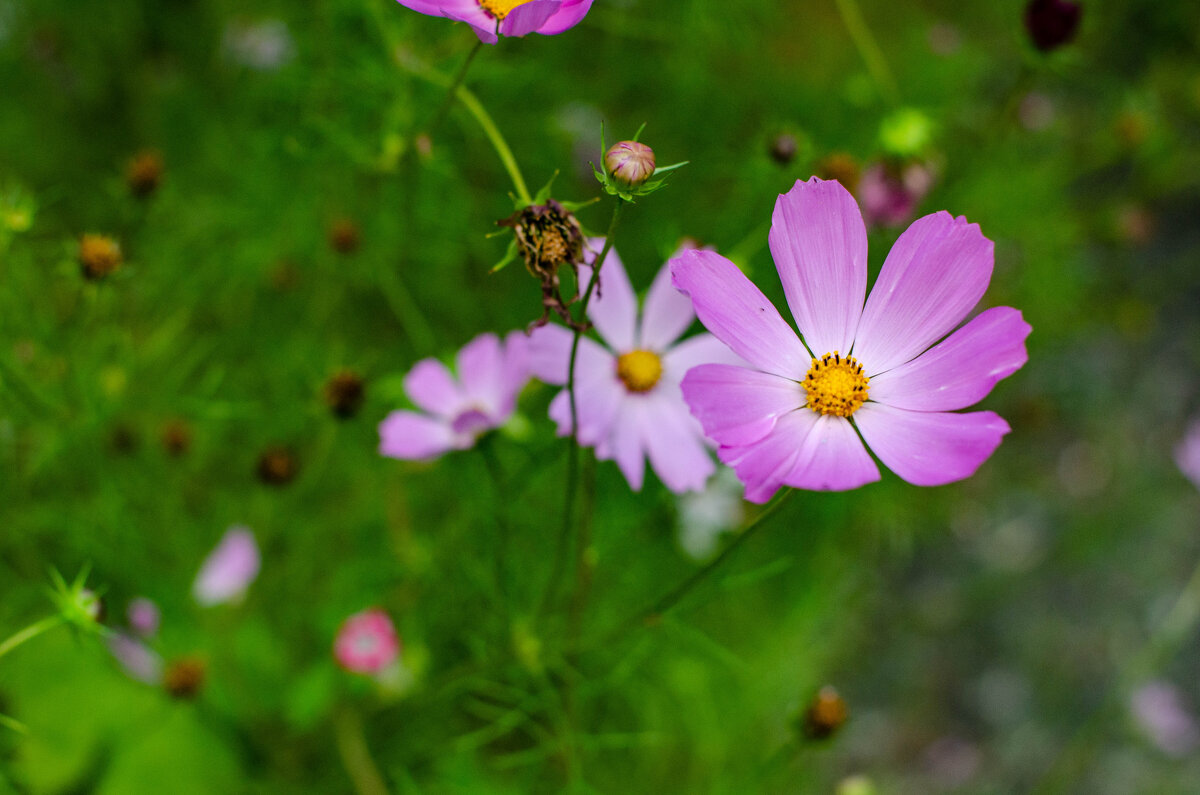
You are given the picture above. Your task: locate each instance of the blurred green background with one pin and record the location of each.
(987, 637)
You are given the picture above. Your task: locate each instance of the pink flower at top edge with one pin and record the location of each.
(229, 569)
(627, 389)
(517, 17)
(1187, 454)
(366, 642)
(455, 412)
(795, 415)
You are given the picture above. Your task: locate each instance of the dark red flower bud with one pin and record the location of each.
(1052, 23)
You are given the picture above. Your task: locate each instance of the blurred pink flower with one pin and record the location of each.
(229, 569)
(366, 642)
(794, 416)
(1187, 454)
(890, 193)
(627, 391)
(516, 17)
(458, 412)
(1158, 708)
(143, 617)
(138, 660)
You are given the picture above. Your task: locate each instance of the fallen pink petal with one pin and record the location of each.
(229, 570)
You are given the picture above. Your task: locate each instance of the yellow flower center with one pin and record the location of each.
(500, 8)
(639, 370)
(835, 385)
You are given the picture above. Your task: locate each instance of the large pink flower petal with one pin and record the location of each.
(470, 12)
(833, 458)
(613, 308)
(431, 387)
(516, 367)
(480, 366)
(937, 271)
(671, 440)
(548, 353)
(568, 16)
(732, 308)
(766, 463)
(930, 448)
(961, 370)
(695, 351)
(528, 17)
(819, 243)
(415, 437)
(736, 405)
(666, 315)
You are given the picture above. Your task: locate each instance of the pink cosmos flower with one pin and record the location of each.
(516, 17)
(890, 193)
(1187, 454)
(795, 415)
(229, 569)
(627, 391)
(366, 642)
(458, 412)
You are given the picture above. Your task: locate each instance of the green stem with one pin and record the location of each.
(872, 56)
(448, 100)
(356, 756)
(30, 632)
(502, 534)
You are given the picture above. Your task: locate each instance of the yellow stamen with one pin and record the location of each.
(500, 8)
(835, 385)
(639, 370)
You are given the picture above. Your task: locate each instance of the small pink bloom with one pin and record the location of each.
(1158, 707)
(457, 411)
(516, 17)
(138, 660)
(890, 194)
(366, 643)
(795, 415)
(229, 569)
(627, 390)
(143, 616)
(1187, 454)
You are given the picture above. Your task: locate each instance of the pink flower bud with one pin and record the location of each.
(366, 643)
(630, 163)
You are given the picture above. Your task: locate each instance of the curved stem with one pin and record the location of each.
(30, 632)
(352, 745)
(872, 56)
(452, 92)
(498, 143)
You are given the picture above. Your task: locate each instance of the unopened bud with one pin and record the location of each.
(99, 255)
(783, 148)
(630, 163)
(278, 466)
(176, 438)
(184, 678)
(344, 236)
(825, 715)
(1052, 23)
(344, 393)
(144, 173)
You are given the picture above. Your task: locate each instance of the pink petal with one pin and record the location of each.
(613, 308)
(673, 445)
(937, 271)
(695, 351)
(738, 406)
(930, 448)
(229, 569)
(667, 313)
(415, 437)
(598, 396)
(470, 12)
(961, 370)
(569, 14)
(819, 243)
(764, 464)
(737, 312)
(527, 18)
(549, 355)
(480, 367)
(516, 367)
(833, 458)
(431, 387)
(624, 443)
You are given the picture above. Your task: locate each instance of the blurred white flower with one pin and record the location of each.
(1158, 709)
(229, 569)
(705, 515)
(265, 45)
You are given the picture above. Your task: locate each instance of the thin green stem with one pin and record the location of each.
(502, 533)
(867, 47)
(356, 756)
(452, 92)
(30, 632)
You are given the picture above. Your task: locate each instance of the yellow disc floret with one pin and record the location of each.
(500, 8)
(835, 385)
(639, 370)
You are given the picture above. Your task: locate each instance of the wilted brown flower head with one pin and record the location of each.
(842, 167)
(548, 237)
(99, 255)
(345, 392)
(176, 437)
(184, 677)
(344, 236)
(278, 466)
(825, 715)
(144, 173)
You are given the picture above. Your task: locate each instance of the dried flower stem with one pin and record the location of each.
(872, 56)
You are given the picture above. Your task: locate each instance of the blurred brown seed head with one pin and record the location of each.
(344, 236)
(144, 173)
(345, 392)
(278, 466)
(99, 255)
(783, 148)
(184, 677)
(842, 167)
(825, 715)
(176, 438)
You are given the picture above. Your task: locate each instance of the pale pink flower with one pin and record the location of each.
(366, 642)
(229, 569)
(795, 415)
(143, 616)
(457, 411)
(627, 389)
(1187, 454)
(137, 659)
(516, 17)
(1158, 708)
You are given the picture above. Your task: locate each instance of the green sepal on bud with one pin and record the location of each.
(628, 168)
(76, 604)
